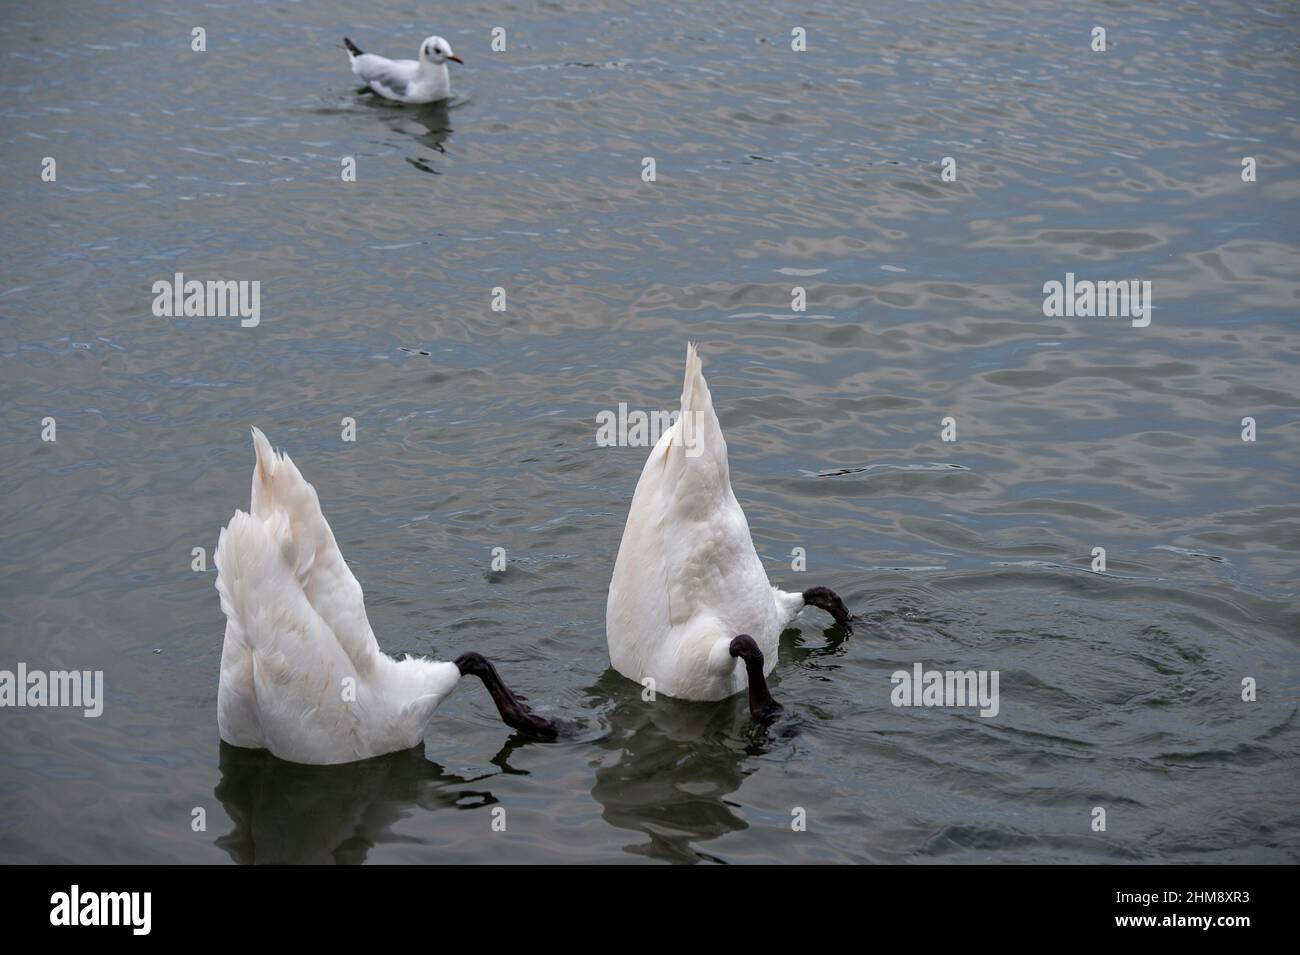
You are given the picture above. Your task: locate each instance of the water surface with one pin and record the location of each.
(476, 428)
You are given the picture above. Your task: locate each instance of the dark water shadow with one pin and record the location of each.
(799, 649)
(679, 761)
(429, 125)
(677, 764)
(290, 813)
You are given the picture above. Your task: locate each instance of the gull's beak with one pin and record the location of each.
(456, 59)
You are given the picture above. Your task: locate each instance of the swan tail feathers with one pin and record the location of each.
(695, 470)
(282, 666)
(255, 578)
(309, 548)
(695, 390)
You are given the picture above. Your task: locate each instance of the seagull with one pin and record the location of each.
(426, 80)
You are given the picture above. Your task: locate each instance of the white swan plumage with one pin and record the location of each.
(687, 581)
(302, 674)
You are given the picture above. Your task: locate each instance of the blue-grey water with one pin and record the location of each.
(1120, 690)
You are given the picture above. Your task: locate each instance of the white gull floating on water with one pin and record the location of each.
(426, 80)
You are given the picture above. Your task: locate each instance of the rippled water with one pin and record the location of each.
(476, 428)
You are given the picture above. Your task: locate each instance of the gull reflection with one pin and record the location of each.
(429, 125)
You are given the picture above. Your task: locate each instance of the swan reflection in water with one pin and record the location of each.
(671, 765)
(664, 769)
(292, 813)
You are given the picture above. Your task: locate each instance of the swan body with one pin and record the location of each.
(301, 672)
(687, 582)
(426, 80)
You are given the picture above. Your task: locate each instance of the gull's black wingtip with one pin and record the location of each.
(351, 47)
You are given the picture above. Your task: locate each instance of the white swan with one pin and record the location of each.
(426, 80)
(301, 672)
(689, 599)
